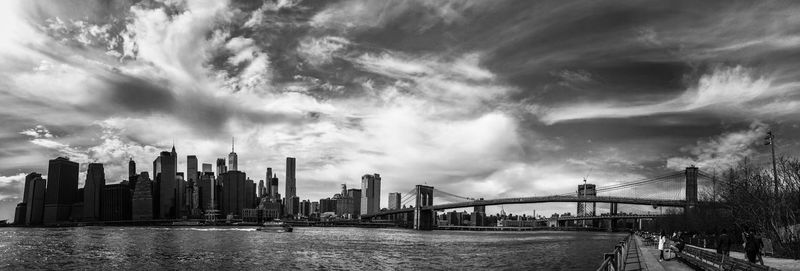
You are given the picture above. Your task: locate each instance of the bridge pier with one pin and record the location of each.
(612, 221)
(424, 218)
(691, 189)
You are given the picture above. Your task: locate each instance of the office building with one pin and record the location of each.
(233, 192)
(315, 207)
(35, 195)
(261, 192)
(142, 198)
(116, 202)
(355, 194)
(208, 168)
(268, 183)
(233, 159)
(22, 208)
(93, 191)
(305, 208)
(62, 187)
(165, 171)
(221, 167)
(131, 168)
(370, 193)
(291, 189)
(394, 201)
(273, 187)
(327, 205)
(192, 175)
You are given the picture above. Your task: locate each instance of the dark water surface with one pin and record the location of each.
(154, 248)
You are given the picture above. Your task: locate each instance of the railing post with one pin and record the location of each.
(609, 257)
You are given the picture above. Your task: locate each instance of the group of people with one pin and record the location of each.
(753, 245)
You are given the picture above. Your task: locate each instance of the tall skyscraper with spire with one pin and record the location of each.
(165, 171)
(233, 159)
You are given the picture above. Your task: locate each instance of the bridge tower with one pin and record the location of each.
(424, 217)
(691, 188)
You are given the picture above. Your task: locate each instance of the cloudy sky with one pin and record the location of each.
(477, 98)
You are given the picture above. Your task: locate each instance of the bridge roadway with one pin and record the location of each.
(603, 199)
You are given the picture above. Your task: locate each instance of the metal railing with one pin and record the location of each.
(616, 260)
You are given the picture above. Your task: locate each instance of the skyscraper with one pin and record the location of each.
(22, 208)
(142, 199)
(131, 168)
(233, 159)
(370, 193)
(93, 191)
(233, 192)
(394, 201)
(291, 189)
(261, 191)
(35, 194)
(191, 169)
(62, 187)
(208, 168)
(168, 184)
(221, 167)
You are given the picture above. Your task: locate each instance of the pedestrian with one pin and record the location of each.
(760, 245)
(724, 243)
(661, 242)
(751, 247)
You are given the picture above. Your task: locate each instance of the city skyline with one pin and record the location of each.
(496, 107)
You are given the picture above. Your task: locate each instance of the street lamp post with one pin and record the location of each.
(770, 140)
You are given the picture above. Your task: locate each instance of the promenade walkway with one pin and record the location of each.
(777, 263)
(649, 259)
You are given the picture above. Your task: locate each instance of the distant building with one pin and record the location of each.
(233, 159)
(232, 198)
(355, 194)
(192, 175)
(208, 168)
(62, 187)
(93, 191)
(394, 201)
(131, 169)
(261, 192)
(291, 185)
(305, 208)
(327, 205)
(206, 189)
(22, 208)
(165, 172)
(221, 167)
(142, 198)
(370, 193)
(116, 202)
(35, 195)
(315, 207)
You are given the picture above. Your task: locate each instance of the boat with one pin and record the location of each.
(275, 226)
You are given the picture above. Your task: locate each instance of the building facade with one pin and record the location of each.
(93, 192)
(394, 201)
(370, 193)
(62, 188)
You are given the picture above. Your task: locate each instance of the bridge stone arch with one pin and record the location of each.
(691, 187)
(424, 217)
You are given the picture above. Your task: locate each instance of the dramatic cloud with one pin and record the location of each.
(478, 98)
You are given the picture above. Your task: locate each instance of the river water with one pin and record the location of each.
(154, 248)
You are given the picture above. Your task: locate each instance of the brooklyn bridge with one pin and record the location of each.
(677, 189)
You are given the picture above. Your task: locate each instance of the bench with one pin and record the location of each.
(709, 260)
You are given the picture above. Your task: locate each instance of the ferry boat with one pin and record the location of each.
(275, 226)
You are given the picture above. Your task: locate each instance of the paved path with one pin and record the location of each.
(778, 263)
(649, 256)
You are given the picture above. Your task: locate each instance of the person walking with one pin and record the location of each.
(661, 242)
(751, 248)
(724, 243)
